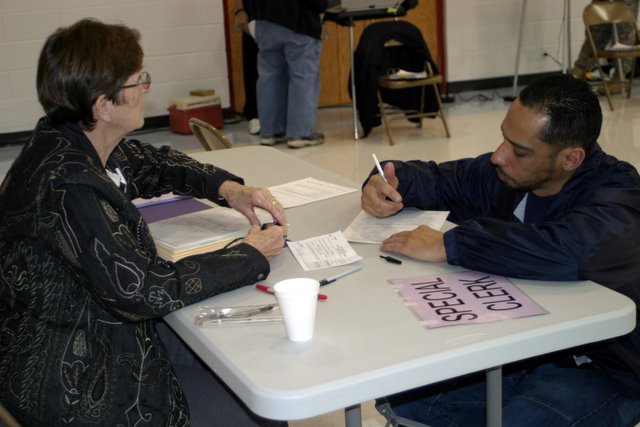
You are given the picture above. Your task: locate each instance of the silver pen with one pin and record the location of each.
(339, 275)
(375, 159)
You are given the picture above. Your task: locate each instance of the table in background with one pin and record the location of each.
(367, 343)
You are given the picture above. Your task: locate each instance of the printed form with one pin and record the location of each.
(307, 190)
(369, 229)
(328, 250)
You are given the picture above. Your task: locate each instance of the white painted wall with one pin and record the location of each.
(185, 48)
(183, 42)
(481, 36)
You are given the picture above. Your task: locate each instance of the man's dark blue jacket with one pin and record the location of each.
(590, 231)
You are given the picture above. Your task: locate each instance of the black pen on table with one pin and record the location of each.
(391, 259)
(339, 275)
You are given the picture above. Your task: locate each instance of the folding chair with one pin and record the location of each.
(386, 46)
(393, 420)
(210, 137)
(612, 13)
(430, 81)
(6, 419)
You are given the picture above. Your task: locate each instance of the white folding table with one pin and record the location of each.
(367, 343)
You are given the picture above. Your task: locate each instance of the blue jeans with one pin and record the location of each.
(288, 80)
(547, 396)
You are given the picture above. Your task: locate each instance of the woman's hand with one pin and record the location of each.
(245, 199)
(269, 241)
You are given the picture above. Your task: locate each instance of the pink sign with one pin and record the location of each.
(463, 298)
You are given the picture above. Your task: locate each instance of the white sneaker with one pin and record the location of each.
(254, 126)
(272, 139)
(314, 139)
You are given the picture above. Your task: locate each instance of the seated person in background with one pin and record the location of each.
(82, 288)
(548, 204)
(602, 36)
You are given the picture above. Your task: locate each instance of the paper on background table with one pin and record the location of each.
(307, 190)
(620, 47)
(327, 250)
(369, 229)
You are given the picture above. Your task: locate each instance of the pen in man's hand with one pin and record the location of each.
(269, 290)
(337, 276)
(380, 171)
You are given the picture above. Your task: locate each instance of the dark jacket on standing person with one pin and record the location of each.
(300, 16)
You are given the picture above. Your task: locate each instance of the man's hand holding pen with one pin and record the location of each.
(380, 198)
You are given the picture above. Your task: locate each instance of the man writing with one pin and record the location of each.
(548, 204)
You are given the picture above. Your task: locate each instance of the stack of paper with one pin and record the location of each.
(200, 232)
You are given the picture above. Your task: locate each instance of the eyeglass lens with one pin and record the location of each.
(144, 80)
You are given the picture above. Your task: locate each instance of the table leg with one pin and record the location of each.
(494, 397)
(353, 84)
(353, 416)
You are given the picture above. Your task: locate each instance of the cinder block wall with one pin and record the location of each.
(183, 42)
(481, 36)
(185, 47)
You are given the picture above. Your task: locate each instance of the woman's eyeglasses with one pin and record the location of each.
(144, 80)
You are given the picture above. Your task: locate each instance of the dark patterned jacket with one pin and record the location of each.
(81, 285)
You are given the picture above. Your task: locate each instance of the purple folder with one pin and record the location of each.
(169, 209)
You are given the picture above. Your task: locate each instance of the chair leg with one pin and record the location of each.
(385, 120)
(608, 93)
(633, 72)
(6, 419)
(605, 86)
(393, 420)
(441, 111)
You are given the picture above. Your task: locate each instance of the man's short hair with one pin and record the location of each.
(81, 62)
(573, 108)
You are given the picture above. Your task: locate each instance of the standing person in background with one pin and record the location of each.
(602, 36)
(244, 15)
(288, 33)
(82, 288)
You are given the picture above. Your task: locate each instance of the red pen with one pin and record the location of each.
(269, 290)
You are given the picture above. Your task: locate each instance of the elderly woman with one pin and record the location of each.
(81, 285)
